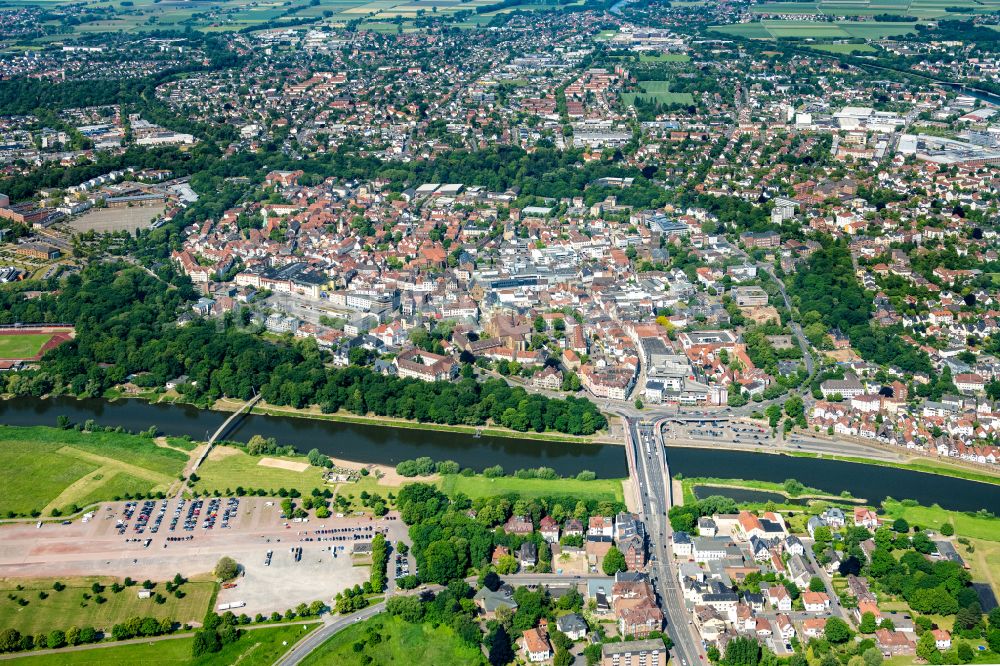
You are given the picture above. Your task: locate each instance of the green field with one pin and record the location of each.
(43, 468)
(402, 643)
(257, 647)
(480, 486)
(843, 48)
(22, 346)
(815, 30)
(976, 527)
(62, 610)
(228, 467)
(659, 90)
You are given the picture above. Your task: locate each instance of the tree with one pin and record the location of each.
(226, 568)
(947, 529)
(507, 564)
(816, 584)
(872, 656)
(927, 649)
(501, 653)
(837, 631)
(563, 658)
(901, 525)
(440, 563)
(742, 651)
(773, 414)
(614, 561)
(868, 624)
(491, 581)
(55, 639)
(794, 407)
(10, 640)
(964, 652)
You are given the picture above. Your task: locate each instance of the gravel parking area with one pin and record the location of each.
(99, 547)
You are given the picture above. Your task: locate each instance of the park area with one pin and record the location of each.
(659, 91)
(42, 469)
(30, 344)
(75, 605)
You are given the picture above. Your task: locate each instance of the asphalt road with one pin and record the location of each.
(648, 466)
(320, 636)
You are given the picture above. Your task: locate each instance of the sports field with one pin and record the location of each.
(46, 468)
(31, 343)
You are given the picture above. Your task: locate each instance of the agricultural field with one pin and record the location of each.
(659, 90)
(258, 647)
(71, 608)
(481, 486)
(233, 15)
(815, 29)
(402, 643)
(918, 9)
(47, 468)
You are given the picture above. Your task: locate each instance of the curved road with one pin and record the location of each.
(318, 637)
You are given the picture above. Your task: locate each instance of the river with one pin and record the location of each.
(361, 443)
(388, 445)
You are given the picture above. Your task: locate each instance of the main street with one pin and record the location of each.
(648, 469)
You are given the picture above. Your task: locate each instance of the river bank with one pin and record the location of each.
(929, 466)
(313, 412)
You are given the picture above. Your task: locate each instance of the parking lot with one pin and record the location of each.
(156, 539)
(719, 431)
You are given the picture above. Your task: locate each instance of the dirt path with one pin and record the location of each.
(80, 488)
(111, 463)
(162, 442)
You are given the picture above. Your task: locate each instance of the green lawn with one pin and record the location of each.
(62, 610)
(975, 527)
(22, 346)
(237, 468)
(42, 467)
(259, 647)
(480, 486)
(402, 644)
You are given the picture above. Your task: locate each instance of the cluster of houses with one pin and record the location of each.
(956, 426)
(624, 531)
(728, 548)
(628, 596)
